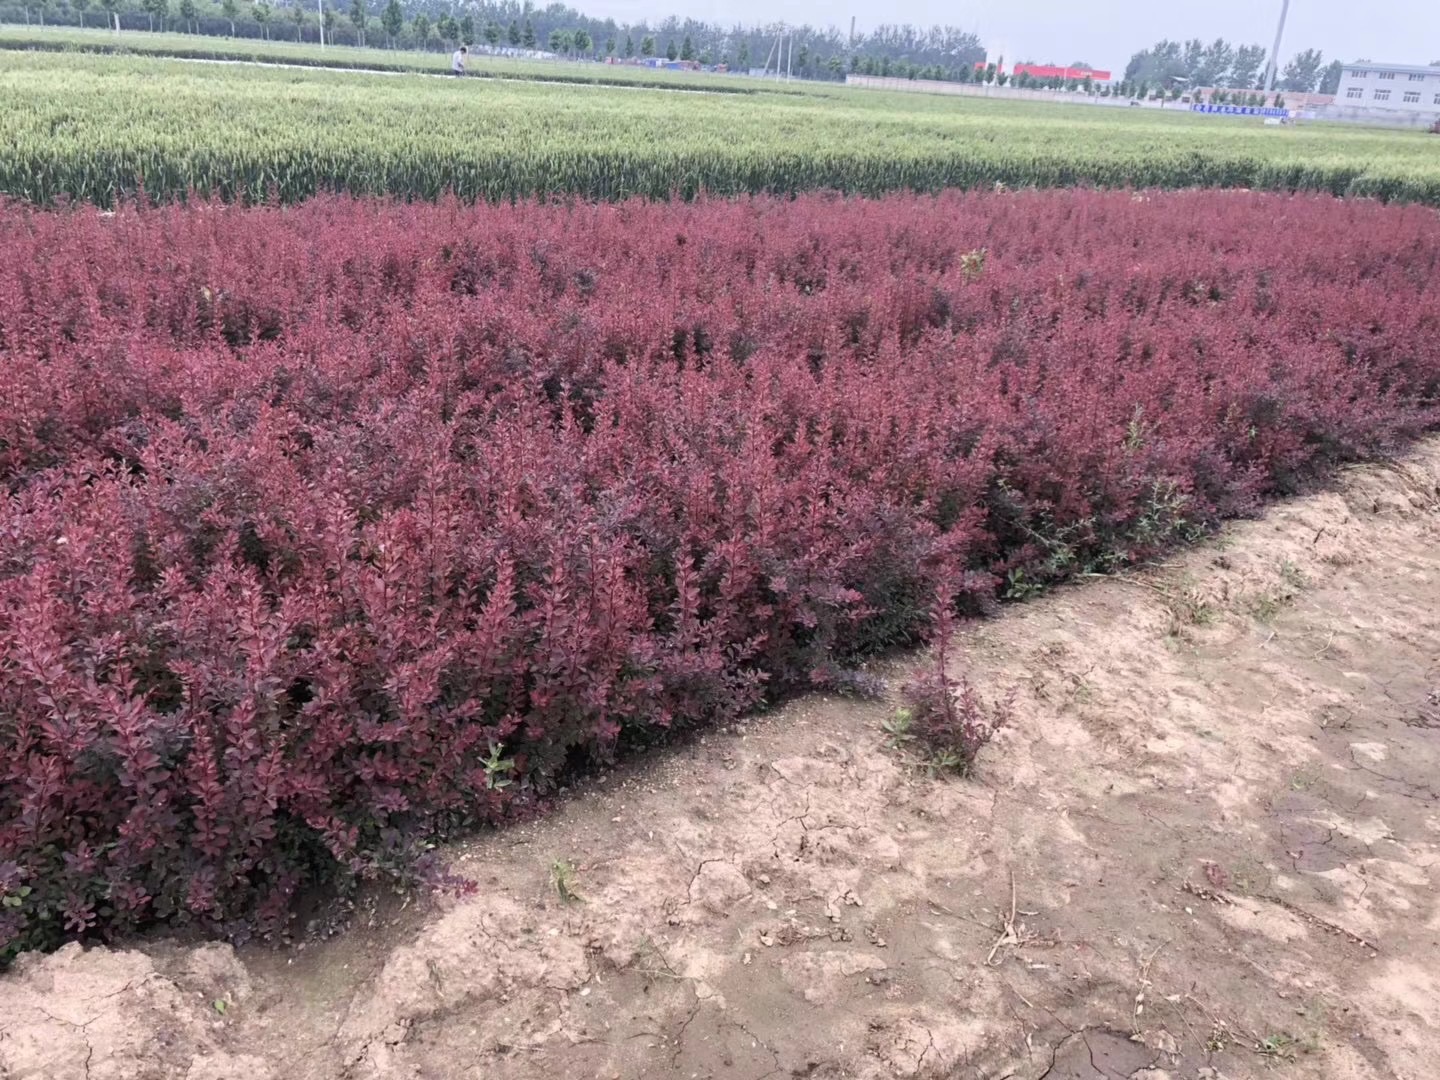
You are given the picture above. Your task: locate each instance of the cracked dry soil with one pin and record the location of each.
(1217, 807)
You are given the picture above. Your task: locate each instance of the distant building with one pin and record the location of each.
(1046, 71)
(1404, 87)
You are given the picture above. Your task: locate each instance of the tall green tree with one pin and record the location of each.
(610, 45)
(492, 33)
(446, 28)
(1302, 74)
(1245, 72)
(153, 10)
(629, 46)
(420, 27)
(466, 26)
(263, 13)
(1193, 57)
(742, 57)
(583, 42)
(392, 21)
(671, 53)
(187, 11)
(1162, 62)
(1330, 81)
(647, 46)
(81, 6)
(1216, 62)
(554, 41)
(229, 10)
(687, 49)
(359, 18)
(514, 36)
(527, 35)
(1170, 64)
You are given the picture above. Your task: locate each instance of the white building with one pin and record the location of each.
(1414, 90)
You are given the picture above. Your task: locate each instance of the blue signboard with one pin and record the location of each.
(1240, 110)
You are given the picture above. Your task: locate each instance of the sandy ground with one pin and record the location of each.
(1206, 848)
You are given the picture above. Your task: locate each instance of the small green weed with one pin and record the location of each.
(897, 730)
(1135, 431)
(1276, 1046)
(1292, 582)
(1293, 577)
(499, 771)
(18, 900)
(1266, 606)
(1188, 608)
(1019, 587)
(562, 875)
(1286, 1047)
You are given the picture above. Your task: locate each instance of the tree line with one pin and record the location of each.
(810, 52)
(1224, 66)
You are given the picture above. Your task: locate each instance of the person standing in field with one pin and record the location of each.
(457, 60)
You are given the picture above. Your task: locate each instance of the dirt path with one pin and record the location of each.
(1207, 848)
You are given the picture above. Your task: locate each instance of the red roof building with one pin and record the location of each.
(1045, 71)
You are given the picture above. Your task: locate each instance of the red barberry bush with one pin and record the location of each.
(333, 528)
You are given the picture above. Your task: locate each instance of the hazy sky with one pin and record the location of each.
(1102, 32)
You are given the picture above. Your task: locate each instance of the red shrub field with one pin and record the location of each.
(332, 529)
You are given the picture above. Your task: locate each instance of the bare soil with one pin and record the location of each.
(1208, 847)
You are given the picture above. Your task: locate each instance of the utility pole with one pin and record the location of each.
(320, 7)
(852, 33)
(1275, 52)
